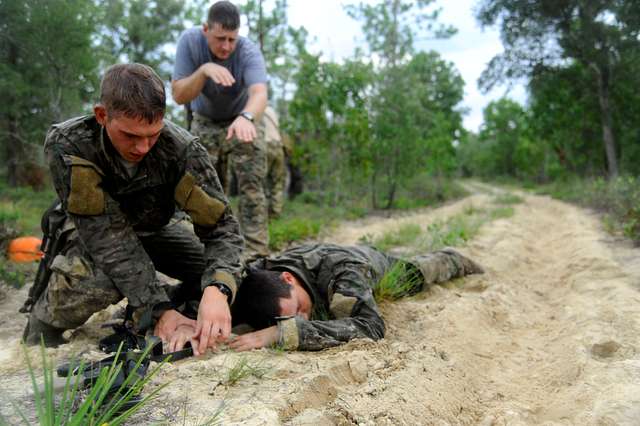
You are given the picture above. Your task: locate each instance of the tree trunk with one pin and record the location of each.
(373, 187)
(607, 122)
(261, 28)
(13, 149)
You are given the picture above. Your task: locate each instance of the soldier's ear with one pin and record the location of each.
(101, 114)
(288, 278)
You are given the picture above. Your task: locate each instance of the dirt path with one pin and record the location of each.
(549, 335)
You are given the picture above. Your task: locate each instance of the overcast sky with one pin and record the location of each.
(337, 35)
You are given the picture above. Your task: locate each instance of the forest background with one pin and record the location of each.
(382, 129)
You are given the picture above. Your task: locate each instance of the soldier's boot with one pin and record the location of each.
(52, 336)
(467, 265)
(443, 265)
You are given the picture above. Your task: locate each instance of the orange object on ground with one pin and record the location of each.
(25, 249)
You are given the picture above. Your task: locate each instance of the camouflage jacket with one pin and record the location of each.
(340, 282)
(109, 208)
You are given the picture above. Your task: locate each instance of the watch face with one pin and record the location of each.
(247, 115)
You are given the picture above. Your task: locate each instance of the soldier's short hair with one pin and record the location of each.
(224, 13)
(257, 302)
(133, 90)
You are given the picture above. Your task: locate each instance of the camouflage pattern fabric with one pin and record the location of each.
(276, 165)
(340, 281)
(276, 177)
(77, 288)
(116, 217)
(248, 163)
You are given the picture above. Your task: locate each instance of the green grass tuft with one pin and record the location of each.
(508, 199)
(243, 369)
(97, 406)
(501, 213)
(16, 275)
(401, 280)
(405, 235)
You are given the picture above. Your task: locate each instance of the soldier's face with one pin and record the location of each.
(221, 42)
(299, 303)
(133, 138)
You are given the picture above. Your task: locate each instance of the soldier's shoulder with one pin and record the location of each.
(247, 47)
(74, 129)
(180, 141)
(177, 134)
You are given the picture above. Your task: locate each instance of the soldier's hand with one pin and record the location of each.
(182, 335)
(168, 322)
(214, 320)
(242, 129)
(218, 74)
(255, 340)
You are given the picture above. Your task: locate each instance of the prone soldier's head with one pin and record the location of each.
(131, 109)
(265, 295)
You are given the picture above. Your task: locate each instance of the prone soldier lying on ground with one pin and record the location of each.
(119, 175)
(318, 296)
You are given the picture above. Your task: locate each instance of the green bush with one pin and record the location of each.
(285, 231)
(23, 207)
(617, 199)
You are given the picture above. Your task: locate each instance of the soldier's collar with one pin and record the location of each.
(112, 156)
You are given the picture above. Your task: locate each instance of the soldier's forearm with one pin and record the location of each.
(188, 88)
(257, 101)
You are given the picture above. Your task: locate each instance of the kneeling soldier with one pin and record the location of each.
(120, 173)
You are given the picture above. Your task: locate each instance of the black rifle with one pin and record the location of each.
(134, 354)
(53, 240)
(188, 115)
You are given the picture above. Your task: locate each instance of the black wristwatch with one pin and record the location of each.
(247, 115)
(224, 289)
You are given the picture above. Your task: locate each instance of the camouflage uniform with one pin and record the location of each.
(120, 226)
(276, 171)
(340, 282)
(248, 163)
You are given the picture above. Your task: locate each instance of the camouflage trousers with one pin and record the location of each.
(247, 163)
(443, 265)
(77, 289)
(427, 269)
(276, 177)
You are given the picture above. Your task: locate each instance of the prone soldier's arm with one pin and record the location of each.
(102, 227)
(200, 194)
(352, 304)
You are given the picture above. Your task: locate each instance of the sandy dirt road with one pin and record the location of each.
(549, 335)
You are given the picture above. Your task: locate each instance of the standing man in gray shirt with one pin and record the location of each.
(223, 77)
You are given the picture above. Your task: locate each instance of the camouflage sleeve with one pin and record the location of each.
(102, 227)
(200, 194)
(355, 311)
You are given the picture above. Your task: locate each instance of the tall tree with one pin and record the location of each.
(544, 35)
(279, 42)
(399, 130)
(391, 26)
(142, 30)
(329, 118)
(48, 71)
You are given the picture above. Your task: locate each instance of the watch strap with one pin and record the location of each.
(247, 115)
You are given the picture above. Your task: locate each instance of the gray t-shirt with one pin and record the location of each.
(246, 65)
